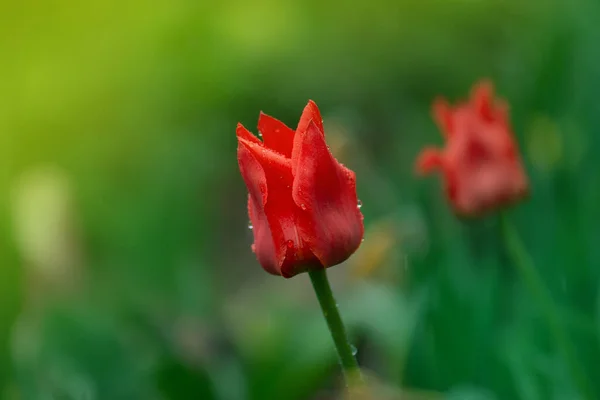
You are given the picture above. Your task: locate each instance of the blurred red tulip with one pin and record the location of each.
(302, 202)
(480, 164)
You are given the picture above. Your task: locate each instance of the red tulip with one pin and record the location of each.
(480, 164)
(302, 202)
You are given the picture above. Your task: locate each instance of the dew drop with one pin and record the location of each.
(290, 244)
(359, 205)
(362, 240)
(250, 225)
(259, 134)
(253, 247)
(277, 130)
(303, 206)
(354, 350)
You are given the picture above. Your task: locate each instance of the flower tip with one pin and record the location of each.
(312, 125)
(483, 91)
(442, 114)
(482, 98)
(428, 160)
(265, 121)
(244, 134)
(313, 109)
(262, 118)
(485, 83)
(440, 107)
(240, 131)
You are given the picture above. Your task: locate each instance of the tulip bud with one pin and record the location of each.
(481, 165)
(302, 202)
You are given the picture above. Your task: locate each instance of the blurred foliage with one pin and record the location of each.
(126, 271)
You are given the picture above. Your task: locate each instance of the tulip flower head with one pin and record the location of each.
(480, 164)
(302, 202)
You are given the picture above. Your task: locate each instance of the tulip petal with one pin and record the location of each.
(442, 114)
(310, 113)
(325, 191)
(276, 135)
(482, 99)
(429, 160)
(243, 133)
(256, 182)
(291, 253)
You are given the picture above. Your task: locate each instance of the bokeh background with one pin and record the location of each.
(125, 262)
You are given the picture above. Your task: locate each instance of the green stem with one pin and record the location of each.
(331, 313)
(536, 286)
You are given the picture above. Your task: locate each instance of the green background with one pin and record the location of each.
(125, 262)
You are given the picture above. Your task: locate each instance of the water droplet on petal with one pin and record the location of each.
(303, 206)
(362, 240)
(359, 205)
(259, 134)
(354, 350)
(290, 244)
